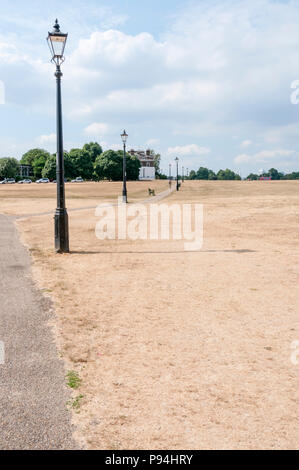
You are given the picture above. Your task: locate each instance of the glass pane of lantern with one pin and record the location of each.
(124, 137)
(58, 44)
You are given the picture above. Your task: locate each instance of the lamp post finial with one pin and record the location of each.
(56, 26)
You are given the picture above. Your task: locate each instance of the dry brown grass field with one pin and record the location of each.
(175, 349)
(35, 198)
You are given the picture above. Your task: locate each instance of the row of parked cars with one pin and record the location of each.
(40, 181)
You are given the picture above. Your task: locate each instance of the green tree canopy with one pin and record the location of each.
(33, 154)
(82, 163)
(192, 175)
(38, 165)
(9, 168)
(70, 170)
(291, 176)
(252, 176)
(133, 166)
(109, 165)
(275, 174)
(94, 149)
(202, 173)
(49, 170)
(227, 175)
(212, 175)
(157, 162)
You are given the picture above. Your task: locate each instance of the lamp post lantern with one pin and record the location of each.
(124, 137)
(56, 41)
(177, 173)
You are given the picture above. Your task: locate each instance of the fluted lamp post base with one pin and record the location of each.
(61, 231)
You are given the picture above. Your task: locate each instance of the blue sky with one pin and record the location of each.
(207, 81)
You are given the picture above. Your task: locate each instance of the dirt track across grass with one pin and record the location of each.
(182, 350)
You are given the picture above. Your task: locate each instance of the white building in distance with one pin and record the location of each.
(147, 169)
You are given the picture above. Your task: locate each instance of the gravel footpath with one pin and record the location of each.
(33, 396)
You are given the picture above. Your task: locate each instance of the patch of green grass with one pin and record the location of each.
(73, 379)
(76, 403)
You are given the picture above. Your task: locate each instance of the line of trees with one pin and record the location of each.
(9, 167)
(89, 162)
(206, 174)
(275, 175)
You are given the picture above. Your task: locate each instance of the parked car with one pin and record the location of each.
(26, 181)
(78, 180)
(43, 180)
(10, 181)
(3, 182)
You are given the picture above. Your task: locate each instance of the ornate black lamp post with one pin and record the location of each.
(177, 173)
(124, 137)
(169, 179)
(57, 41)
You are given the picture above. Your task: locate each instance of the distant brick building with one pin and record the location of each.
(147, 160)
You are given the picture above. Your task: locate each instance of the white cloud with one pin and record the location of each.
(152, 142)
(191, 149)
(47, 139)
(222, 69)
(265, 156)
(96, 129)
(280, 133)
(2, 92)
(246, 143)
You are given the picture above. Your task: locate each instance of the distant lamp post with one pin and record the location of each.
(169, 178)
(177, 173)
(183, 174)
(124, 137)
(56, 41)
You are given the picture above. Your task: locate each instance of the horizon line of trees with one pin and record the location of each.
(275, 175)
(206, 174)
(91, 163)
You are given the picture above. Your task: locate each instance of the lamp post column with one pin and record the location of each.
(61, 216)
(177, 173)
(125, 198)
(170, 176)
